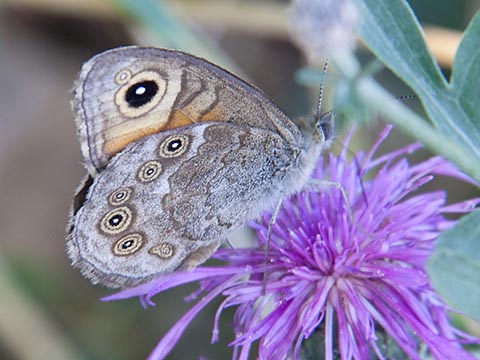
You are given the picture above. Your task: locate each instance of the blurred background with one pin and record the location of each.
(47, 310)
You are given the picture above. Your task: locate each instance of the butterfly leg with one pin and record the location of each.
(317, 184)
(272, 221)
(230, 244)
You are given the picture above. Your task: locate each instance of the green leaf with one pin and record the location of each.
(466, 70)
(455, 266)
(465, 77)
(389, 28)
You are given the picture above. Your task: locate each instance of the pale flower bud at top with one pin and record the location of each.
(322, 28)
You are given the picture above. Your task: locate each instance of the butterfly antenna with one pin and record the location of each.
(320, 95)
(407, 97)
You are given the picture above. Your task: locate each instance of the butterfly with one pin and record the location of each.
(179, 153)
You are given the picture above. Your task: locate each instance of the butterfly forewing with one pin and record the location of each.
(128, 93)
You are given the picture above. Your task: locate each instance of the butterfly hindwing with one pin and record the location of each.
(167, 201)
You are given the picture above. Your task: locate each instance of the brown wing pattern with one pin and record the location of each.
(128, 93)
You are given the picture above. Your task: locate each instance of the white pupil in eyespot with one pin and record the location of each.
(140, 90)
(127, 244)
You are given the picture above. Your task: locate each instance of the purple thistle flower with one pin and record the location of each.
(357, 276)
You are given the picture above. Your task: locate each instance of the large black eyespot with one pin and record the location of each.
(128, 245)
(116, 221)
(174, 145)
(141, 93)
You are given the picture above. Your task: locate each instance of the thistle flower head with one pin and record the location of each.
(351, 270)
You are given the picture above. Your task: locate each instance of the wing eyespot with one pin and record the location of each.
(149, 171)
(120, 196)
(128, 244)
(164, 250)
(116, 220)
(139, 93)
(174, 146)
(123, 76)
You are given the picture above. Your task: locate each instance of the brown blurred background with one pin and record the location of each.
(47, 310)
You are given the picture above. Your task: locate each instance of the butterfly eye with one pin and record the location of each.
(149, 171)
(164, 250)
(141, 93)
(120, 196)
(128, 245)
(174, 145)
(116, 221)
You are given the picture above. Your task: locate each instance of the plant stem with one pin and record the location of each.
(382, 102)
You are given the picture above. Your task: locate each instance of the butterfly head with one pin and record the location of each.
(318, 129)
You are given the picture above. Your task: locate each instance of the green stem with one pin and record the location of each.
(381, 101)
